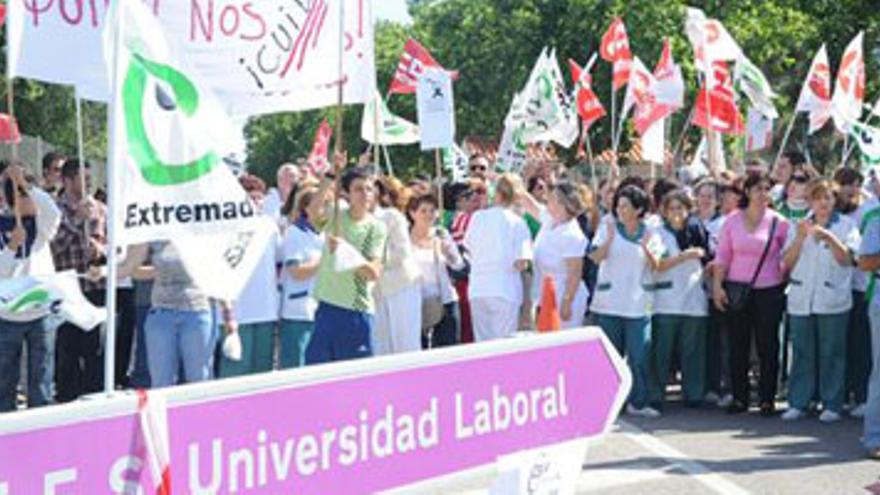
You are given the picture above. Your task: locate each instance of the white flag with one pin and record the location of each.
(759, 130)
(392, 129)
(654, 143)
(849, 94)
(168, 138)
(29, 298)
(436, 109)
(710, 39)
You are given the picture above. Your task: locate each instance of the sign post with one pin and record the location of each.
(353, 427)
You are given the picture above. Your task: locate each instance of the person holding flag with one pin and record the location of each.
(28, 221)
(350, 267)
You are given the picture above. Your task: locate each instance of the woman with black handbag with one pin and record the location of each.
(749, 288)
(435, 252)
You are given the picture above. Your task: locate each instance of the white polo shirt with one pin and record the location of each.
(679, 291)
(625, 279)
(495, 240)
(554, 245)
(818, 284)
(301, 244)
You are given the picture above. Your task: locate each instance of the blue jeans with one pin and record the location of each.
(294, 338)
(140, 372)
(632, 338)
(339, 334)
(40, 340)
(257, 350)
(179, 340)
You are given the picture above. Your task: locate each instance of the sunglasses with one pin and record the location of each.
(478, 168)
(800, 179)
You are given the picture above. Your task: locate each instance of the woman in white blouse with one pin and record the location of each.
(398, 293)
(819, 253)
(559, 251)
(435, 251)
(500, 249)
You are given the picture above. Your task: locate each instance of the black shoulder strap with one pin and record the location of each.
(766, 251)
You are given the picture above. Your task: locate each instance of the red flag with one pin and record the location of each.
(2, 13)
(318, 157)
(588, 105)
(615, 49)
(413, 61)
(9, 130)
(725, 116)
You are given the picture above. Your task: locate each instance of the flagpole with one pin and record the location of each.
(376, 122)
(80, 153)
(683, 135)
(785, 139)
(614, 164)
(112, 190)
(337, 167)
(13, 146)
(388, 161)
(438, 164)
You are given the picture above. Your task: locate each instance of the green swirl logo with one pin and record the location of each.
(185, 99)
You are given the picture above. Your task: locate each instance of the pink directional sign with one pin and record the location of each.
(381, 424)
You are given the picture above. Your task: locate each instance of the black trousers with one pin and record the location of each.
(758, 320)
(717, 352)
(78, 363)
(125, 311)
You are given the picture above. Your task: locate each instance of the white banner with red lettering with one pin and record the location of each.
(257, 57)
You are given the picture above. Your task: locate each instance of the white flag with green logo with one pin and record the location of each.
(168, 138)
(391, 128)
(544, 111)
(868, 140)
(29, 298)
(752, 82)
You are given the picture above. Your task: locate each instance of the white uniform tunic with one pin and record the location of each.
(554, 245)
(818, 283)
(622, 287)
(679, 291)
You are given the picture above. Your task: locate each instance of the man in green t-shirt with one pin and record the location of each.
(344, 319)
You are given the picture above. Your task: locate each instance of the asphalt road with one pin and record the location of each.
(706, 451)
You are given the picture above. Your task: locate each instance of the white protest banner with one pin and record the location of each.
(167, 139)
(654, 142)
(436, 109)
(257, 57)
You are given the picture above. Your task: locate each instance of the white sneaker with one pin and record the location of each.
(711, 398)
(858, 411)
(645, 412)
(829, 416)
(725, 401)
(792, 414)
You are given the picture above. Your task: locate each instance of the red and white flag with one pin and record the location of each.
(615, 50)
(669, 89)
(317, 161)
(413, 61)
(849, 94)
(153, 415)
(715, 107)
(589, 107)
(710, 39)
(815, 95)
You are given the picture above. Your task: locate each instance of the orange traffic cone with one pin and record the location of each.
(548, 314)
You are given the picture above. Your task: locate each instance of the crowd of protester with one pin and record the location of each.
(760, 279)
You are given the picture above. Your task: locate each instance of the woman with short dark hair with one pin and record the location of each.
(627, 254)
(749, 287)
